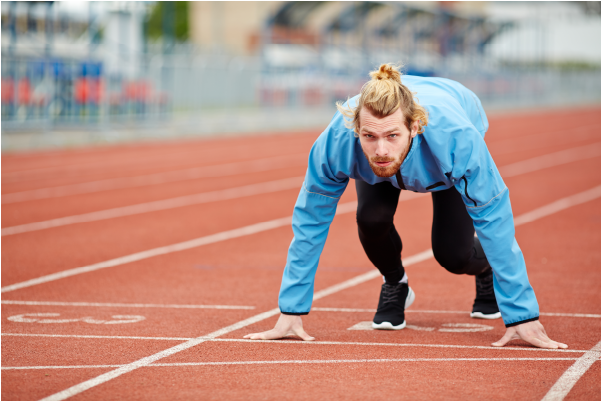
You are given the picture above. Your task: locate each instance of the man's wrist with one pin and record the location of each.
(521, 322)
(294, 313)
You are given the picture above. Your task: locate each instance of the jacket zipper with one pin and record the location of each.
(438, 184)
(466, 194)
(399, 179)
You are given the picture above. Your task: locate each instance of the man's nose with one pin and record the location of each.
(381, 148)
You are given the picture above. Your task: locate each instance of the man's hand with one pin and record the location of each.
(532, 332)
(287, 325)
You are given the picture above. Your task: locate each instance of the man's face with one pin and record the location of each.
(385, 141)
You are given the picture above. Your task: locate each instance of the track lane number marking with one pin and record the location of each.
(37, 318)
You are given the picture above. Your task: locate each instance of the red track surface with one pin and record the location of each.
(562, 254)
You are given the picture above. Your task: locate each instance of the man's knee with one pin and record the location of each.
(456, 261)
(452, 261)
(373, 225)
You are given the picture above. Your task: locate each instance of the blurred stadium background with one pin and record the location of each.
(80, 73)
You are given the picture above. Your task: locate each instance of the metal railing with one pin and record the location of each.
(48, 93)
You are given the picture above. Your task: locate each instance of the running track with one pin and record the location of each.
(133, 272)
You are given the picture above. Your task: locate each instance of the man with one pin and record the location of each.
(390, 143)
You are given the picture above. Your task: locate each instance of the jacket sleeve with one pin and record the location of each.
(325, 181)
(486, 198)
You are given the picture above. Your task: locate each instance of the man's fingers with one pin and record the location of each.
(531, 332)
(555, 344)
(299, 331)
(545, 342)
(541, 343)
(255, 336)
(509, 335)
(266, 335)
(287, 325)
(548, 343)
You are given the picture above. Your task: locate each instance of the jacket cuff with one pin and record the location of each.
(521, 321)
(294, 313)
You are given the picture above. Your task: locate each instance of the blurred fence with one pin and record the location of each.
(74, 103)
(47, 93)
(36, 93)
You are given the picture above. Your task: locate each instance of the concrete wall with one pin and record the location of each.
(231, 25)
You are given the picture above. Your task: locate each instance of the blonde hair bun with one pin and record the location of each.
(387, 71)
(383, 95)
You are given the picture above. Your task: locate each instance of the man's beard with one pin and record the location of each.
(391, 169)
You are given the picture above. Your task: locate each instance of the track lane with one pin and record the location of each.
(168, 323)
(340, 262)
(453, 381)
(73, 352)
(34, 385)
(35, 211)
(445, 334)
(165, 204)
(587, 388)
(118, 238)
(191, 154)
(188, 174)
(524, 166)
(171, 222)
(46, 209)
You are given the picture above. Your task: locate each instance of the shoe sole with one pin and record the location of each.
(480, 315)
(387, 325)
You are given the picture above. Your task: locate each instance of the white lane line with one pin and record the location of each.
(542, 139)
(423, 256)
(165, 204)
(354, 310)
(552, 160)
(570, 377)
(96, 337)
(295, 362)
(559, 205)
(297, 342)
(120, 305)
(348, 207)
(60, 367)
(357, 361)
(479, 347)
(222, 170)
(571, 314)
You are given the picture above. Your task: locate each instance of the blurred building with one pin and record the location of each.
(110, 63)
(229, 26)
(528, 31)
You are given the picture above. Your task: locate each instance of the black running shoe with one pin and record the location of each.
(394, 299)
(485, 304)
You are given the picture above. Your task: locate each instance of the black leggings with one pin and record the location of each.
(453, 241)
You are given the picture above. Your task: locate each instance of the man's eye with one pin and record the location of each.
(393, 135)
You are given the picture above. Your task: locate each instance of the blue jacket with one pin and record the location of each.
(451, 152)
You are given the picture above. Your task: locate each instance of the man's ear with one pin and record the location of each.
(414, 128)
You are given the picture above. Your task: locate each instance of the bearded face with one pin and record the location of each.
(385, 141)
(387, 166)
